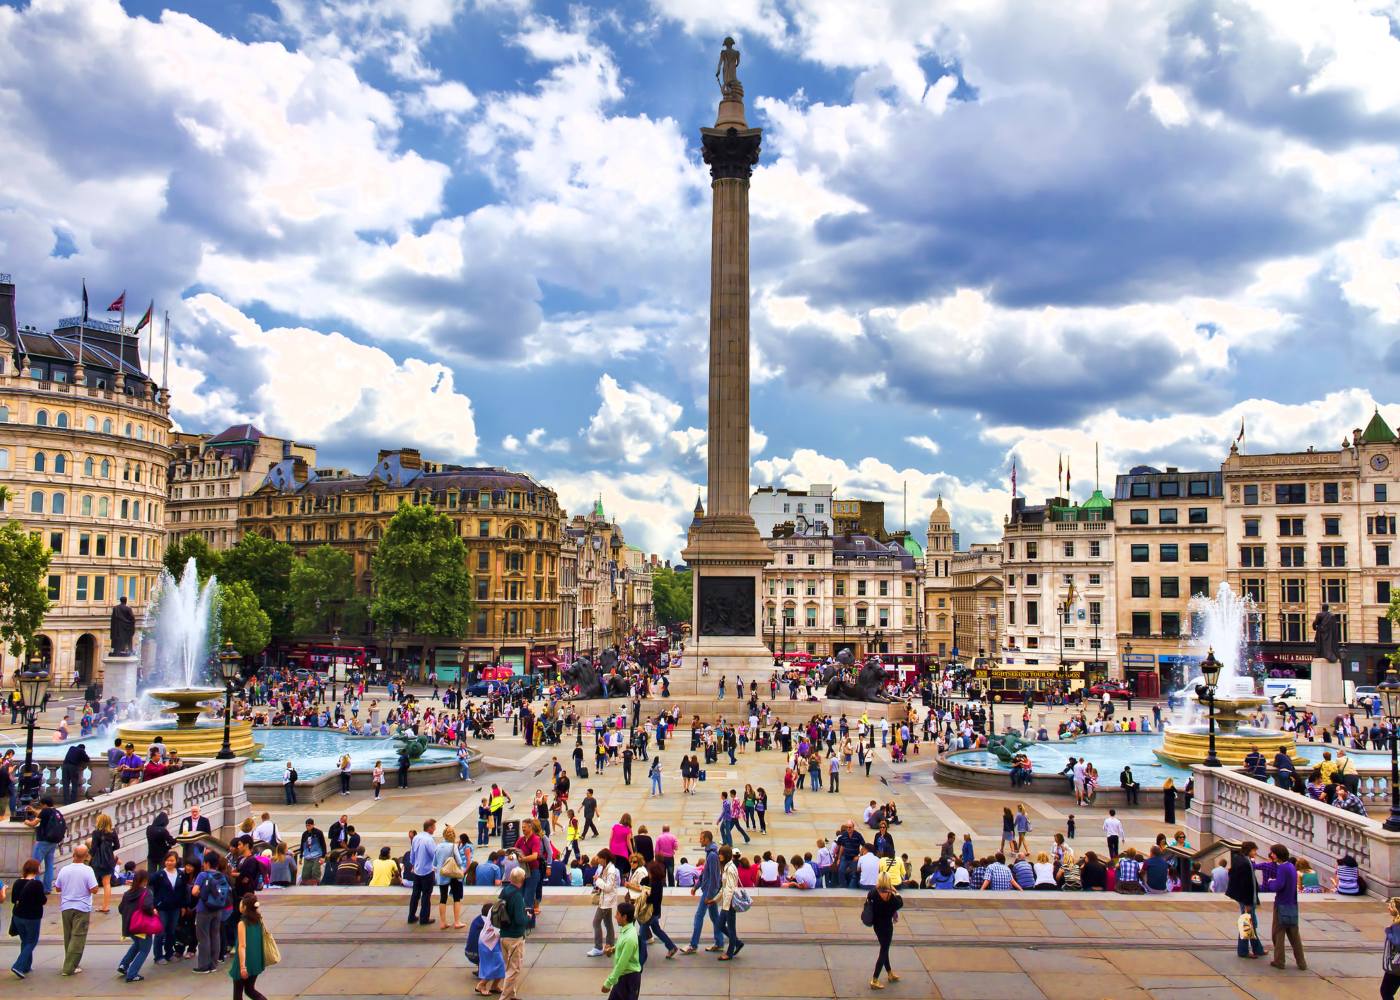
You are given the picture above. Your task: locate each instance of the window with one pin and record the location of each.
(1095, 549)
(1069, 550)
(1032, 579)
(60, 464)
(1141, 587)
(1032, 612)
(1333, 525)
(1169, 586)
(1329, 492)
(860, 588)
(1031, 550)
(1167, 553)
(55, 586)
(1196, 515)
(1138, 553)
(1011, 550)
(1170, 488)
(840, 588)
(1069, 642)
(483, 562)
(1293, 590)
(1292, 622)
(819, 508)
(81, 591)
(1290, 527)
(1380, 492)
(1095, 613)
(789, 558)
(1171, 624)
(1095, 579)
(1137, 516)
(1291, 555)
(840, 619)
(40, 462)
(1251, 527)
(107, 426)
(811, 617)
(62, 420)
(84, 544)
(483, 590)
(1380, 524)
(811, 588)
(1334, 555)
(103, 506)
(101, 545)
(811, 558)
(1383, 592)
(91, 424)
(1199, 585)
(1142, 624)
(1382, 555)
(1141, 490)
(1383, 633)
(99, 588)
(1199, 488)
(4, 458)
(1251, 495)
(87, 467)
(41, 419)
(1199, 552)
(1167, 515)
(1334, 590)
(483, 529)
(36, 502)
(1252, 555)
(1291, 493)
(126, 508)
(56, 541)
(106, 469)
(1254, 589)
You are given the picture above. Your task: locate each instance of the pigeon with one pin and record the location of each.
(883, 781)
(539, 772)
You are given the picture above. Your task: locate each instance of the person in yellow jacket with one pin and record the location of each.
(386, 870)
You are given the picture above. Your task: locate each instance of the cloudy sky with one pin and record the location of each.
(981, 229)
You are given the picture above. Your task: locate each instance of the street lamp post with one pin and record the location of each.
(335, 647)
(1210, 673)
(33, 684)
(228, 669)
(1390, 692)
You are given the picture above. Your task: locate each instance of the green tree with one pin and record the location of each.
(420, 574)
(241, 619)
(182, 550)
(323, 593)
(671, 593)
(266, 566)
(24, 599)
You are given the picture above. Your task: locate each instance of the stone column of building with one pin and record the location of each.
(724, 550)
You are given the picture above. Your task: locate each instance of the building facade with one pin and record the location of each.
(809, 511)
(861, 517)
(84, 448)
(1169, 547)
(511, 526)
(1304, 529)
(1058, 571)
(938, 583)
(977, 603)
(598, 549)
(210, 474)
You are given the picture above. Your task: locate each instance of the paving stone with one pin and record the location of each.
(986, 986)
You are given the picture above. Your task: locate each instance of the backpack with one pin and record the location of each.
(500, 914)
(55, 827)
(216, 892)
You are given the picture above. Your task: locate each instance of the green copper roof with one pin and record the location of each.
(598, 507)
(912, 547)
(1097, 501)
(1378, 431)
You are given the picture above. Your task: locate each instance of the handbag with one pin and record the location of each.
(867, 913)
(450, 866)
(142, 922)
(271, 953)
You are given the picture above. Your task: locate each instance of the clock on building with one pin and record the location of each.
(1379, 462)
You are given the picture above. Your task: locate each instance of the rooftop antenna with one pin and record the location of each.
(1096, 466)
(165, 359)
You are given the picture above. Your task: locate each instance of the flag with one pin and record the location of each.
(85, 301)
(1013, 478)
(1066, 475)
(1059, 471)
(118, 304)
(145, 319)
(1240, 437)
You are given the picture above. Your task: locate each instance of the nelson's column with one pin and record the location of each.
(724, 550)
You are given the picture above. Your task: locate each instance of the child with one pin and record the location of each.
(125, 876)
(1069, 827)
(483, 819)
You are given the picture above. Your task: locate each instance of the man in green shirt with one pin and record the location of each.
(625, 980)
(513, 933)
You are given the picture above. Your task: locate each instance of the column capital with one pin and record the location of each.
(731, 152)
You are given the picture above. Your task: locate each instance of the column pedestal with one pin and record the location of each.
(119, 677)
(1328, 697)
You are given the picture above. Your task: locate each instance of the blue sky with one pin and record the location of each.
(982, 231)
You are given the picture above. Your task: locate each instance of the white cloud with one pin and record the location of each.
(358, 390)
(511, 443)
(925, 442)
(450, 100)
(630, 424)
(393, 31)
(653, 507)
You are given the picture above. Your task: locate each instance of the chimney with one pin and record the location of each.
(286, 449)
(8, 324)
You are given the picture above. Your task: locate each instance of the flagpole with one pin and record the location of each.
(165, 362)
(1096, 465)
(82, 323)
(150, 343)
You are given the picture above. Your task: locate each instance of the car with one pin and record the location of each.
(1114, 689)
(1289, 698)
(1363, 695)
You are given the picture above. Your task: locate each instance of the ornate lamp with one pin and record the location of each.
(228, 669)
(1210, 672)
(1390, 693)
(33, 685)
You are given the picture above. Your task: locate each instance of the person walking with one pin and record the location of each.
(49, 829)
(1281, 878)
(1113, 832)
(882, 903)
(76, 885)
(1242, 888)
(708, 886)
(607, 884)
(211, 894)
(421, 856)
(27, 898)
(140, 923)
(104, 846)
(251, 955)
(1390, 955)
(650, 877)
(654, 773)
(517, 922)
(728, 888)
(624, 982)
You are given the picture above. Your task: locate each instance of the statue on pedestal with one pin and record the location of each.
(122, 629)
(1327, 636)
(727, 71)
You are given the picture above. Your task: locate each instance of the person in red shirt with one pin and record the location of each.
(530, 848)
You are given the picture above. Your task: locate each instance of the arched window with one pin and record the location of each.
(36, 502)
(140, 432)
(41, 418)
(128, 430)
(102, 507)
(62, 419)
(4, 414)
(4, 458)
(60, 464)
(40, 462)
(86, 506)
(106, 468)
(92, 423)
(88, 466)
(126, 507)
(137, 472)
(107, 426)
(58, 503)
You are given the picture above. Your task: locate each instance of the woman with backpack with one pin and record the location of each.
(104, 846)
(211, 893)
(882, 906)
(140, 923)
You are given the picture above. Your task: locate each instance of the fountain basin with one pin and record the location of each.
(187, 735)
(1189, 745)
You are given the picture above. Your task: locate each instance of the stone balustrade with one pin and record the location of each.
(216, 786)
(1230, 805)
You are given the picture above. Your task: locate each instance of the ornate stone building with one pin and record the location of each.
(598, 549)
(510, 523)
(978, 602)
(210, 474)
(938, 583)
(84, 447)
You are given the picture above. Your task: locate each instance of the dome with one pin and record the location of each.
(939, 517)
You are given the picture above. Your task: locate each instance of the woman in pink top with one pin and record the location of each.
(620, 844)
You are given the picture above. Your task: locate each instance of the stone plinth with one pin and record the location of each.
(119, 677)
(1328, 692)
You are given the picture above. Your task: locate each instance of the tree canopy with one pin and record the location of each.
(241, 619)
(671, 593)
(266, 566)
(182, 550)
(421, 580)
(323, 593)
(24, 598)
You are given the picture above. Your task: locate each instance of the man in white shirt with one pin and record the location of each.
(76, 885)
(805, 877)
(266, 831)
(1078, 778)
(868, 865)
(1113, 830)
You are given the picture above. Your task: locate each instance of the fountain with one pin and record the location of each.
(181, 623)
(1186, 739)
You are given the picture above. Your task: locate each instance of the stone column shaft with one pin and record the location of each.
(729, 348)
